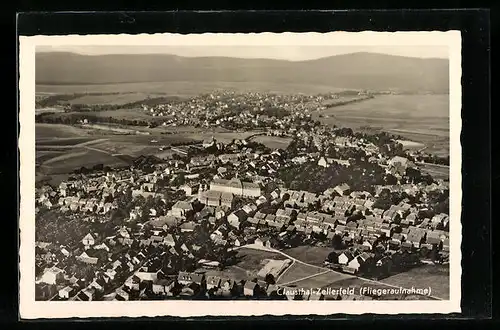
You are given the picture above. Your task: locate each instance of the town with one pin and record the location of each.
(168, 228)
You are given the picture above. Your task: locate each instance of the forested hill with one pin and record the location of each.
(368, 71)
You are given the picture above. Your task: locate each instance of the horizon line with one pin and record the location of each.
(240, 57)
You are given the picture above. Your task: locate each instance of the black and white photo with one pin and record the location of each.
(284, 174)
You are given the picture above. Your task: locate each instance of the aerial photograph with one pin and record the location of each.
(242, 172)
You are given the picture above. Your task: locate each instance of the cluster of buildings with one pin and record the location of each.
(181, 216)
(229, 109)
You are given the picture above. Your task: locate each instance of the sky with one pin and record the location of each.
(290, 53)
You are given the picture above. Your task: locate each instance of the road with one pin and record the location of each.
(325, 270)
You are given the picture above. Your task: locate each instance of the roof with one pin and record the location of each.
(250, 285)
(183, 205)
(213, 280)
(348, 254)
(250, 185)
(193, 277)
(88, 237)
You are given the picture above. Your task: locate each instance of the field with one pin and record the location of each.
(77, 158)
(296, 272)
(437, 277)
(422, 118)
(188, 88)
(250, 262)
(313, 255)
(103, 144)
(273, 142)
(111, 99)
(51, 131)
(437, 171)
(320, 280)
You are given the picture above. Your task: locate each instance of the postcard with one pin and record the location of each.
(240, 174)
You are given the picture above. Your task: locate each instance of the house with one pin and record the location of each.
(250, 289)
(263, 241)
(52, 276)
(227, 199)
(163, 286)
(416, 237)
(250, 189)
(213, 282)
(398, 161)
(210, 197)
(261, 200)
(132, 283)
(360, 261)
(99, 284)
(322, 162)
(66, 292)
(102, 246)
(254, 221)
(88, 259)
(249, 208)
(227, 286)
(236, 218)
(181, 209)
(122, 295)
(146, 276)
(342, 189)
(433, 238)
(345, 257)
(88, 240)
(169, 240)
(187, 226)
(87, 294)
(185, 278)
(190, 189)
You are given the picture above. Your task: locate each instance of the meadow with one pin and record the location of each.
(273, 142)
(111, 99)
(253, 260)
(188, 88)
(296, 272)
(320, 280)
(50, 131)
(315, 255)
(437, 277)
(75, 159)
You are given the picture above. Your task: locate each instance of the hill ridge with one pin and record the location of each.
(361, 70)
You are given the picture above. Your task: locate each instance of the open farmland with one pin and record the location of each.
(188, 88)
(74, 160)
(320, 280)
(273, 142)
(51, 131)
(111, 99)
(315, 255)
(297, 272)
(422, 118)
(437, 277)
(253, 260)
(437, 171)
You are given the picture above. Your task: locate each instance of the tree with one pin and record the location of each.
(337, 242)
(333, 257)
(270, 279)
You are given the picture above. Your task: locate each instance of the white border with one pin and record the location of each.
(31, 309)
